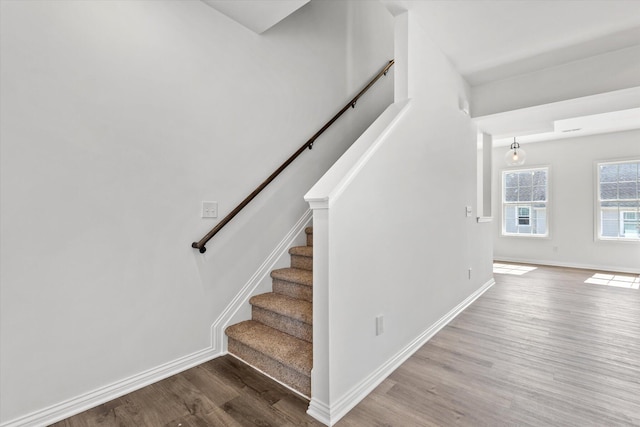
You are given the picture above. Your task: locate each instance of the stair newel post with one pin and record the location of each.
(320, 374)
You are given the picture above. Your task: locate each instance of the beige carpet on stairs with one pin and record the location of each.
(278, 338)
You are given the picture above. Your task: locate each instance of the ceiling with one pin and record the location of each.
(490, 40)
(493, 39)
(611, 112)
(257, 15)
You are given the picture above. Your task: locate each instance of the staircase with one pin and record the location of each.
(277, 340)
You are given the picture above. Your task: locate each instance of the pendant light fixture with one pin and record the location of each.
(516, 155)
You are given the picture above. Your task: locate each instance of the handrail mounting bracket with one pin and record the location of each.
(309, 144)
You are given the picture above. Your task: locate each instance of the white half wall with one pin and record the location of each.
(572, 216)
(391, 237)
(117, 119)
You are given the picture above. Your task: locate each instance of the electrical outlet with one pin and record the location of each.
(209, 209)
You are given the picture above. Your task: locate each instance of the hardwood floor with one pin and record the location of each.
(540, 349)
(222, 392)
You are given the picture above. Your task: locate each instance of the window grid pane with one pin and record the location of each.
(619, 200)
(525, 202)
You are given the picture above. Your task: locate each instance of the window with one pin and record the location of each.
(524, 215)
(524, 202)
(618, 206)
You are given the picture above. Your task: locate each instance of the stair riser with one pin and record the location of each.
(279, 345)
(302, 262)
(293, 290)
(282, 323)
(284, 374)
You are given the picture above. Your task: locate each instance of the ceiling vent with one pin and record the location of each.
(611, 121)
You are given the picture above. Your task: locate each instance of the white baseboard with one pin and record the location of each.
(607, 268)
(320, 411)
(96, 397)
(89, 400)
(247, 291)
(331, 414)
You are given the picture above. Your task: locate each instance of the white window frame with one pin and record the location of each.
(597, 205)
(623, 219)
(530, 206)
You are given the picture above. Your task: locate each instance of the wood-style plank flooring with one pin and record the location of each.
(222, 392)
(540, 349)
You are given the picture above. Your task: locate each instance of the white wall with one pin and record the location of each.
(118, 118)
(571, 207)
(603, 73)
(393, 236)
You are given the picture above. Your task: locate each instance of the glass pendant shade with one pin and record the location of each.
(516, 155)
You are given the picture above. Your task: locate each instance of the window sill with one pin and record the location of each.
(485, 219)
(527, 236)
(614, 240)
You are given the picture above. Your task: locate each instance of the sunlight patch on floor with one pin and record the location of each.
(617, 280)
(517, 270)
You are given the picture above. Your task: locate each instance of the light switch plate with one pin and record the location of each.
(209, 209)
(468, 210)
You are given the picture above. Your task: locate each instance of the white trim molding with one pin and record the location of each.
(248, 290)
(320, 411)
(526, 203)
(331, 414)
(608, 268)
(598, 208)
(329, 188)
(91, 399)
(70, 407)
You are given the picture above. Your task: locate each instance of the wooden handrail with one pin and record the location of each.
(309, 144)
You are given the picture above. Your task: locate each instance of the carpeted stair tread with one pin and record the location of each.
(301, 251)
(294, 275)
(277, 341)
(286, 306)
(291, 288)
(302, 257)
(289, 351)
